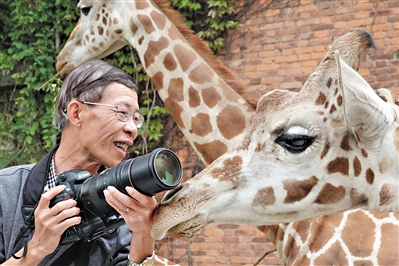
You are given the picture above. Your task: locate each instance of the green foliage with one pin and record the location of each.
(32, 34)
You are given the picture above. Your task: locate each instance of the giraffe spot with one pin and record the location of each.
(325, 119)
(389, 243)
(157, 80)
(385, 195)
(325, 150)
(351, 232)
(211, 151)
(115, 21)
(176, 89)
(336, 91)
(79, 43)
(184, 56)
(396, 138)
(364, 153)
(210, 97)
(264, 196)
(159, 19)
(333, 109)
(298, 190)
(201, 74)
(338, 165)
(91, 30)
(107, 33)
(260, 147)
(133, 26)
(105, 21)
(357, 166)
(330, 194)
(231, 122)
(357, 199)
(339, 100)
(100, 30)
(230, 170)
(93, 40)
(140, 5)
(175, 110)
(330, 256)
(97, 17)
(329, 81)
(154, 48)
(87, 38)
(146, 23)
(169, 62)
(370, 176)
(321, 99)
(345, 143)
(101, 44)
(174, 34)
(201, 125)
(141, 39)
(118, 31)
(230, 94)
(95, 49)
(326, 104)
(194, 98)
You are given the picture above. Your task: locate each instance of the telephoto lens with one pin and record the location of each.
(155, 172)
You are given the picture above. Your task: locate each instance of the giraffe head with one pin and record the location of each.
(330, 147)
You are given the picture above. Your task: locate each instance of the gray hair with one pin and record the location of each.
(87, 83)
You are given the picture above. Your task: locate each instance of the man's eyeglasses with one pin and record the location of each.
(122, 113)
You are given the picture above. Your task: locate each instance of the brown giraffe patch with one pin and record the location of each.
(201, 125)
(91, 30)
(358, 199)
(115, 21)
(174, 107)
(133, 26)
(321, 226)
(201, 74)
(141, 39)
(335, 255)
(367, 240)
(118, 31)
(176, 89)
(154, 48)
(330, 194)
(370, 176)
(210, 97)
(260, 147)
(264, 196)
(389, 244)
(174, 34)
(357, 166)
(159, 20)
(140, 5)
(325, 150)
(385, 195)
(297, 190)
(345, 143)
(339, 100)
(169, 62)
(100, 30)
(231, 122)
(230, 170)
(194, 98)
(333, 109)
(321, 99)
(338, 165)
(329, 81)
(396, 138)
(364, 153)
(97, 17)
(211, 151)
(184, 56)
(146, 23)
(157, 80)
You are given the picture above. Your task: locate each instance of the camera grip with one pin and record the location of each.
(60, 197)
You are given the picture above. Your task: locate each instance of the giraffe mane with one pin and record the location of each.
(205, 52)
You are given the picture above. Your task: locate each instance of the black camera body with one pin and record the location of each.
(157, 171)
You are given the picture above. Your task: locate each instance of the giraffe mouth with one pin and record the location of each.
(190, 229)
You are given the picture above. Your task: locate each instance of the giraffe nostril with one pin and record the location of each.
(171, 193)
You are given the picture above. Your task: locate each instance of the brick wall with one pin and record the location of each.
(279, 46)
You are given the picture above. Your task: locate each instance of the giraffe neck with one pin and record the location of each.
(209, 112)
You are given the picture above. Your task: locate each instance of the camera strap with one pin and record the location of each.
(32, 191)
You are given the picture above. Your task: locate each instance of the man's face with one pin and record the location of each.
(103, 136)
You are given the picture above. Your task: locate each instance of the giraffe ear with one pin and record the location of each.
(364, 112)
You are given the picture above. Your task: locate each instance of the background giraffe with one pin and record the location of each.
(78, 54)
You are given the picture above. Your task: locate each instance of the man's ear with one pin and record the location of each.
(74, 110)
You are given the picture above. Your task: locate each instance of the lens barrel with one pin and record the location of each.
(155, 172)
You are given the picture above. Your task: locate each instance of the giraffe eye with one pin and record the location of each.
(85, 10)
(295, 143)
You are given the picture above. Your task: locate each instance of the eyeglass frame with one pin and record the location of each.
(125, 117)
